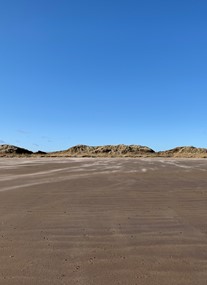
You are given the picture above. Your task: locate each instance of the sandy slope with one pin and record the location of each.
(103, 221)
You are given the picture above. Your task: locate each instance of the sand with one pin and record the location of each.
(103, 221)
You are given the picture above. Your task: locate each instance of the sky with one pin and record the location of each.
(101, 72)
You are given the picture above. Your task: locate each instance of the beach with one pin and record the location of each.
(103, 221)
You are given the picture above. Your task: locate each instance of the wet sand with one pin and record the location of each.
(103, 221)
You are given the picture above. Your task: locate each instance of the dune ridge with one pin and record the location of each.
(120, 150)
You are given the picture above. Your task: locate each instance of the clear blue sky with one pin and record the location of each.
(103, 72)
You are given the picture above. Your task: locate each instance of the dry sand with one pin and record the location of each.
(103, 221)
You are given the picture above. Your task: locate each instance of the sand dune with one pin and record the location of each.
(120, 150)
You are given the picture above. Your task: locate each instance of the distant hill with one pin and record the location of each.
(120, 150)
(184, 151)
(106, 151)
(10, 150)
